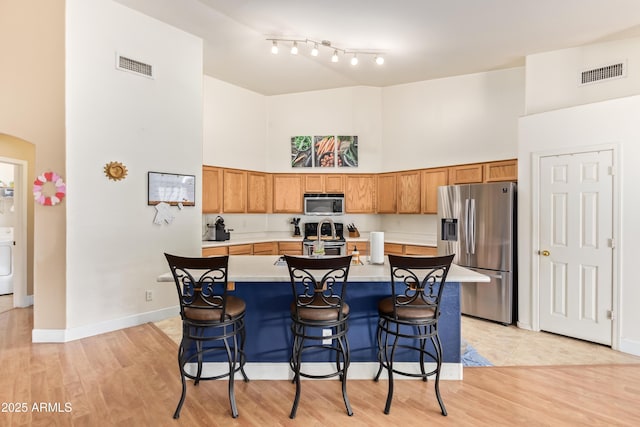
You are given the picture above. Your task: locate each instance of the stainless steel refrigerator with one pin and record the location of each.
(478, 223)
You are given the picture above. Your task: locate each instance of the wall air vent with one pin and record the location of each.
(127, 64)
(607, 72)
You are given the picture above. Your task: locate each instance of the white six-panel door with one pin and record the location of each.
(576, 260)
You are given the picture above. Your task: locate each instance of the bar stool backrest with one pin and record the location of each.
(319, 283)
(417, 282)
(201, 284)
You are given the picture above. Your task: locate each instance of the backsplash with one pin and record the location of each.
(257, 223)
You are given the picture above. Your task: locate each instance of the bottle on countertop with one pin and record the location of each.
(355, 256)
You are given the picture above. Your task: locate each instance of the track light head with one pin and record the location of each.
(354, 60)
(274, 47)
(334, 57)
(314, 51)
(379, 60)
(294, 48)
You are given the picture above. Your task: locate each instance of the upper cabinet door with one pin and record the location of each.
(466, 174)
(506, 170)
(334, 183)
(313, 183)
(360, 193)
(409, 192)
(211, 189)
(431, 180)
(258, 192)
(287, 193)
(235, 191)
(387, 193)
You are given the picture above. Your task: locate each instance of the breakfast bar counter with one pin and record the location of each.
(266, 290)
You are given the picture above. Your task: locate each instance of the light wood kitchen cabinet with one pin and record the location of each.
(466, 174)
(363, 248)
(408, 188)
(211, 189)
(334, 183)
(265, 248)
(290, 248)
(246, 249)
(215, 251)
(328, 183)
(313, 183)
(287, 193)
(387, 193)
(431, 180)
(234, 194)
(393, 248)
(360, 193)
(420, 250)
(506, 170)
(258, 192)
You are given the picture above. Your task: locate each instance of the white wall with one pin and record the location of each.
(115, 252)
(454, 120)
(612, 122)
(235, 126)
(552, 77)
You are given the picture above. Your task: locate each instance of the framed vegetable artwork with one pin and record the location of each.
(347, 151)
(324, 151)
(301, 153)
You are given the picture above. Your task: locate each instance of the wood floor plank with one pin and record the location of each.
(130, 377)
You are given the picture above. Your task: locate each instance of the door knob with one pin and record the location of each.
(545, 253)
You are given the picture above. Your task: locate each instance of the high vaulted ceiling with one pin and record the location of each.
(422, 39)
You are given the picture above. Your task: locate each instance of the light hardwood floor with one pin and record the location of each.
(129, 378)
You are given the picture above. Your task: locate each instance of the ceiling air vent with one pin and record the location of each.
(131, 65)
(607, 72)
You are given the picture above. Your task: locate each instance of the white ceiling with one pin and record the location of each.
(423, 39)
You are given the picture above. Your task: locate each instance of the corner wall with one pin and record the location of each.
(115, 251)
(32, 108)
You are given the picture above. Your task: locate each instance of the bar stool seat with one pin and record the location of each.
(408, 319)
(213, 322)
(319, 289)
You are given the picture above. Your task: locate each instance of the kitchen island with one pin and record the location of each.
(265, 288)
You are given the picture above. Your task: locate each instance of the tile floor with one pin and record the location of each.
(512, 346)
(507, 345)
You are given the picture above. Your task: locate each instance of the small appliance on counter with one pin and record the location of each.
(296, 226)
(217, 231)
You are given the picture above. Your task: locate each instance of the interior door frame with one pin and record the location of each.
(20, 297)
(536, 159)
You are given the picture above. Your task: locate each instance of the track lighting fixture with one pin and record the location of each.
(378, 58)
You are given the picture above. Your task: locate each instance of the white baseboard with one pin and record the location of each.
(357, 370)
(23, 301)
(65, 335)
(630, 346)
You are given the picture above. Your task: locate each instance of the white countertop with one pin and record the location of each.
(262, 268)
(280, 236)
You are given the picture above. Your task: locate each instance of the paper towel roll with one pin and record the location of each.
(376, 247)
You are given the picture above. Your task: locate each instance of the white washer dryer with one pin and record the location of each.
(6, 260)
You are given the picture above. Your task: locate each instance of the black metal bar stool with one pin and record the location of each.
(408, 319)
(212, 320)
(319, 288)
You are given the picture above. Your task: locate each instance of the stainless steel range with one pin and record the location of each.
(329, 233)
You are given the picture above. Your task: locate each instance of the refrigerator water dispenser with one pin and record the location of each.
(449, 229)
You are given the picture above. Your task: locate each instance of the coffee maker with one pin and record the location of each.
(217, 231)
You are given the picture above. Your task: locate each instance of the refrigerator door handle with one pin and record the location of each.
(467, 214)
(471, 223)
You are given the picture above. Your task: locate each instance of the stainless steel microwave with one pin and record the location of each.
(323, 204)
